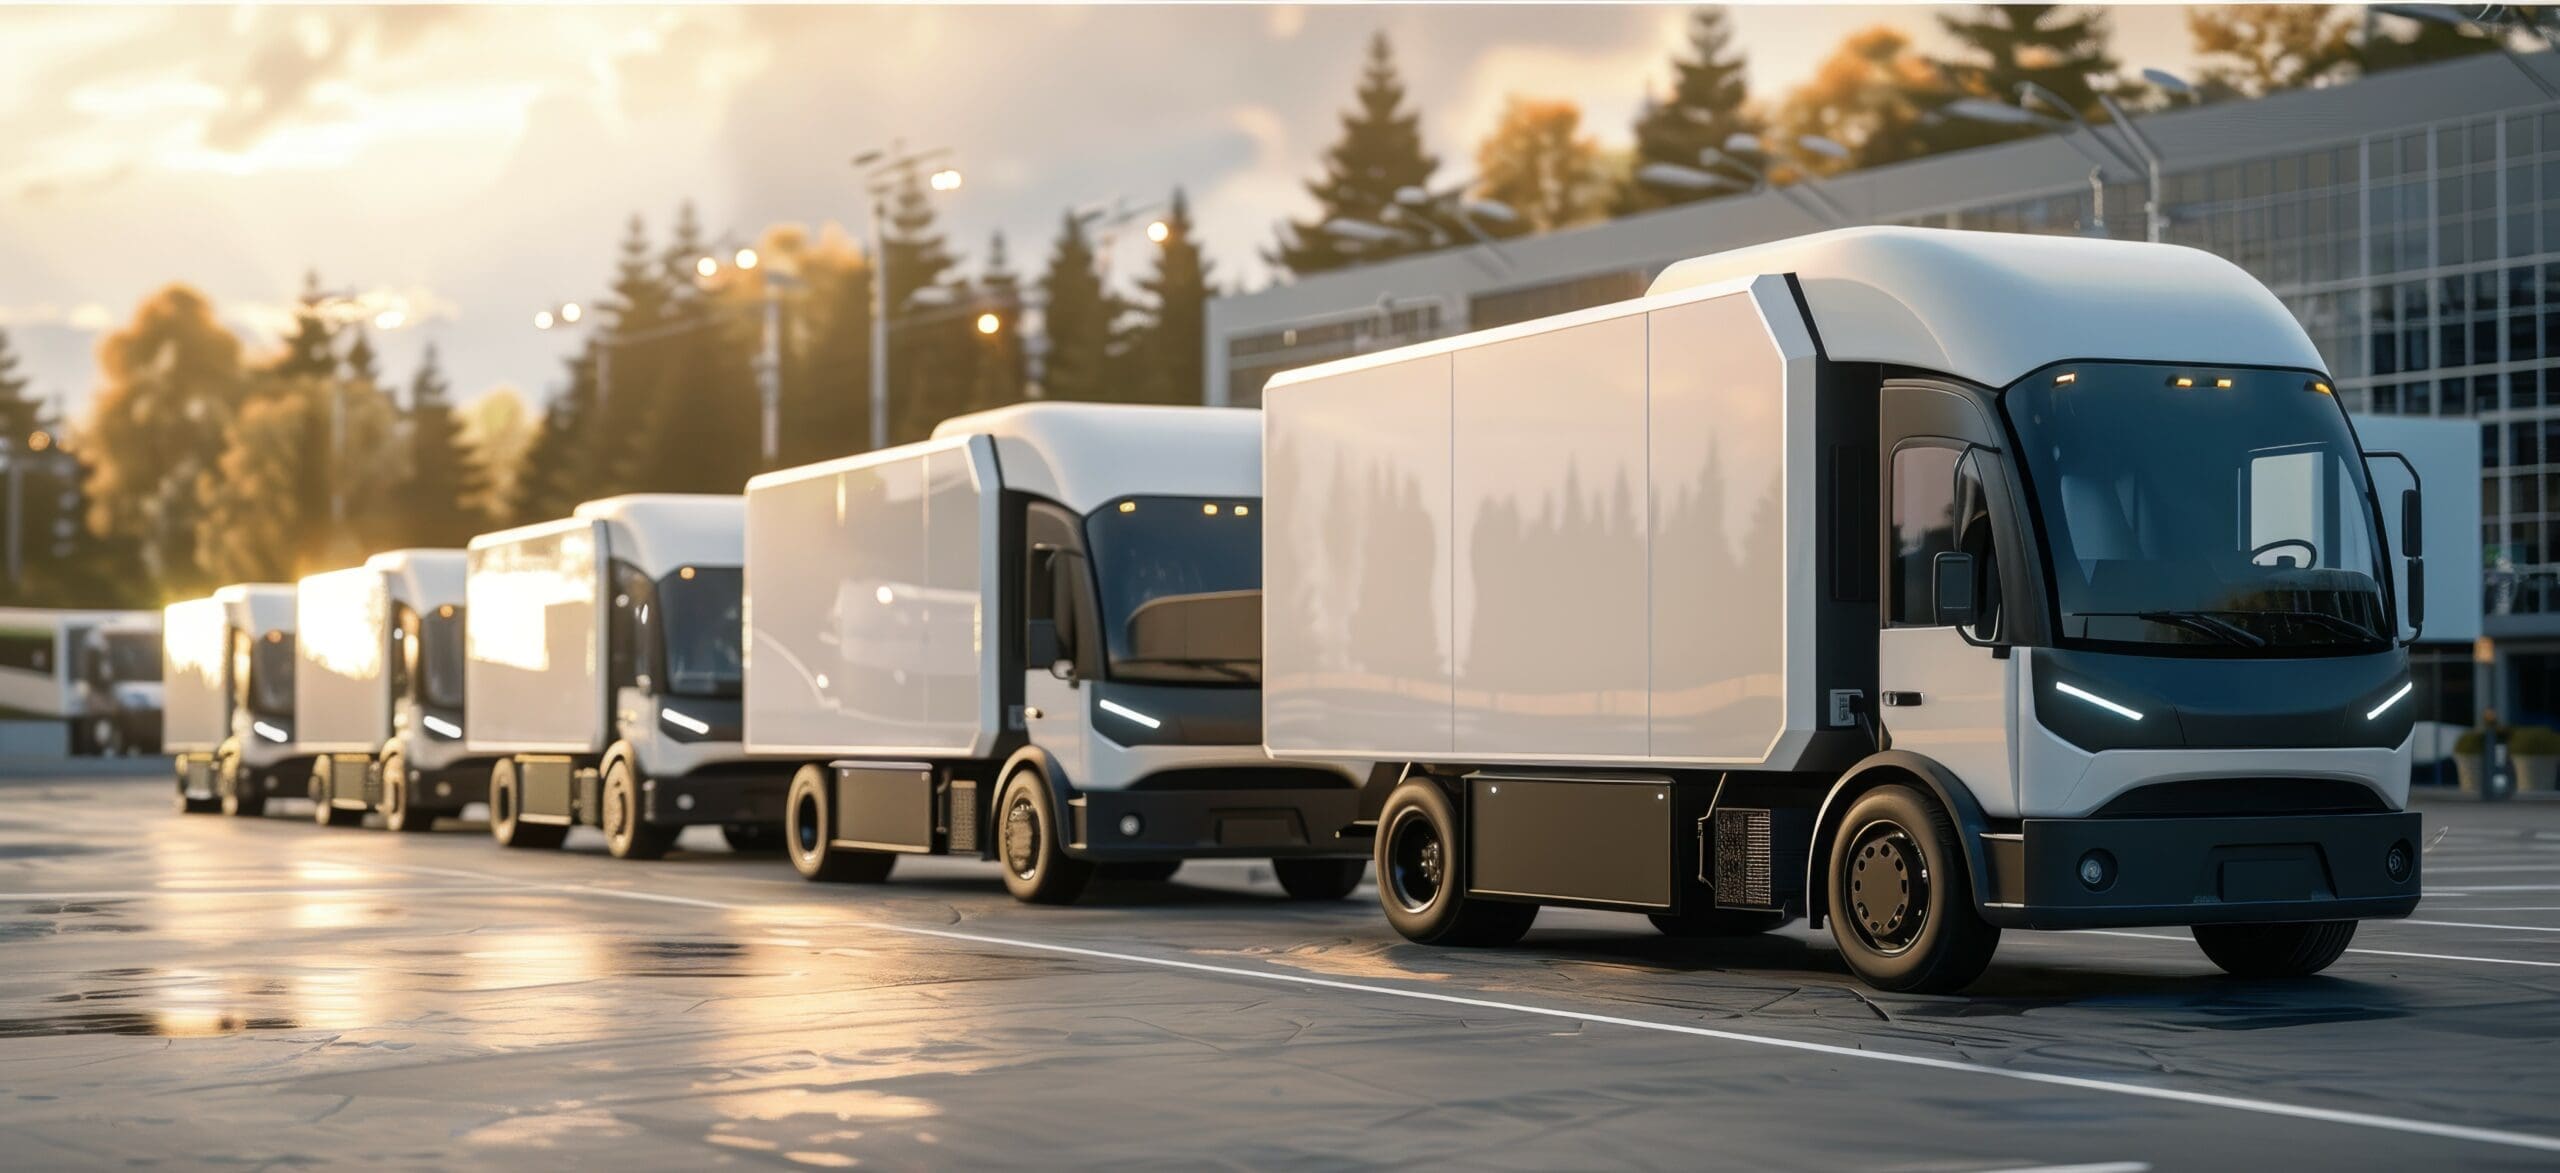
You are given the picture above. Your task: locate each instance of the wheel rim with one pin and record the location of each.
(395, 795)
(617, 811)
(502, 805)
(1885, 882)
(1022, 837)
(1417, 861)
(804, 824)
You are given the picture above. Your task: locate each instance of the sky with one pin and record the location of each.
(469, 166)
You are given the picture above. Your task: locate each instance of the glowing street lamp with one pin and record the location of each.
(876, 166)
(1159, 232)
(542, 319)
(988, 323)
(946, 179)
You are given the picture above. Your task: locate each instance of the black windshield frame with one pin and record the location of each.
(698, 619)
(271, 667)
(1140, 549)
(2171, 628)
(436, 681)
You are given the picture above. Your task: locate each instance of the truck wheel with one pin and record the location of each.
(399, 811)
(243, 793)
(1901, 901)
(809, 828)
(1143, 871)
(1037, 868)
(2275, 951)
(506, 810)
(189, 804)
(1421, 874)
(324, 793)
(1319, 879)
(1717, 922)
(626, 834)
(752, 838)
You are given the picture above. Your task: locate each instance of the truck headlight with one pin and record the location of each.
(441, 727)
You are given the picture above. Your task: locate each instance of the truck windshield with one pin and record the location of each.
(132, 656)
(269, 661)
(439, 674)
(1149, 548)
(700, 614)
(2210, 511)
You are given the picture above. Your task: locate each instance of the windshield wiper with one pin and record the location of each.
(2332, 622)
(2221, 629)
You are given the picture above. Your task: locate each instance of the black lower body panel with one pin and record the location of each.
(2204, 870)
(1205, 824)
(715, 797)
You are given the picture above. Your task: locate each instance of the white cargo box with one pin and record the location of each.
(195, 708)
(872, 587)
(1573, 539)
(38, 677)
(535, 641)
(341, 682)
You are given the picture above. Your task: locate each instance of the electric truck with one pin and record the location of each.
(379, 691)
(1033, 639)
(227, 685)
(1925, 583)
(603, 668)
(94, 673)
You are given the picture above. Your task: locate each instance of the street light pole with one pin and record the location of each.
(879, 317)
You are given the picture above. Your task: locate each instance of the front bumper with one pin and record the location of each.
(2202, 870)
(695, 799)
(1208, 824)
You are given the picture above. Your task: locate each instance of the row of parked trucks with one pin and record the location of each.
(1926, 584)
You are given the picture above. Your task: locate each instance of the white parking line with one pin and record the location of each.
(2493, 1136)
(2464, 924)
(2433, 870)
(150, 893)
(2351, 949)
(2099, 1167)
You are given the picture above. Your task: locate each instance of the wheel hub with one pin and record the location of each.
(1887, 888)
(1022, 838)
(1417, 862)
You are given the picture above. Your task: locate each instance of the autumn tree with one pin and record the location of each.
(309, 467)
(1708, 104)
(495, 428)
(930, 337)
(1167, 361)
(171, 381)
(2251, 50)
(440, 502)
(1380, 153)
(1871, 95)
(1538, 161)
(1078, 320)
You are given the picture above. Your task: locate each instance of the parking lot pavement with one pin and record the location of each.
(196, 990)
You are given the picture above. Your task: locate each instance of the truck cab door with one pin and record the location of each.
(1948, 692)
(1061, 639)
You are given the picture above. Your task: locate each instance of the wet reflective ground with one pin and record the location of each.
(198, 991)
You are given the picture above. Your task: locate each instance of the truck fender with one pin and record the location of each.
(1876, 770)
(1382, 781)
(1061, 793)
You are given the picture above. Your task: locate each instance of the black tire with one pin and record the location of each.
(752, 838)
(808, 836)
(1901, 899)
(1421, 874)
(1699, 924)
(1142, 871)
(243, 791)
(1037, 868)
(506, 810)
(324, 793)
(1319, 879)
(627, 834)
(2275, 951)
(400, 811)
(188, 804)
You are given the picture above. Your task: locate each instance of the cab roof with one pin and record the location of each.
(1086, 455)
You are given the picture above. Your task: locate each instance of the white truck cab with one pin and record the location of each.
(117, 666)
(227, 672)
(604, 669)
(1033, 638)
(1929, 583)
(379, 691)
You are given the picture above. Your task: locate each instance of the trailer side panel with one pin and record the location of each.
(535, 664)
(341, 694)
(195, 710)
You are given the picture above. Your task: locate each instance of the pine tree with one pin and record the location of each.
(1001, 369)
(2058, 49)
(1708, 104)
(930, 337)
(701, 426)
(312, 348)
(1078, 321)
(1380, 153)
(440, 500)
(826, 392)
(19, 414)
(554, 477)
(363, 365)
(1167, 356)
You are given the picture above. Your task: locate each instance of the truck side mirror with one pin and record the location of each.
(1040, 642)
(2412, 526)
(2417, 592)
(1951, 579)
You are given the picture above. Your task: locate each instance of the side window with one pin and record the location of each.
(631, 656)
(404, 650)
(1923, 512)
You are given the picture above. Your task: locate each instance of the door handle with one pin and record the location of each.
(1031, 711)
(1901, 700)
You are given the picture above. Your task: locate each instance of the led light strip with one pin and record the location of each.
(436, 724)
(1118, 709)
(684, 721)
(2392, 700)
(2073, 690)
(270, 732)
